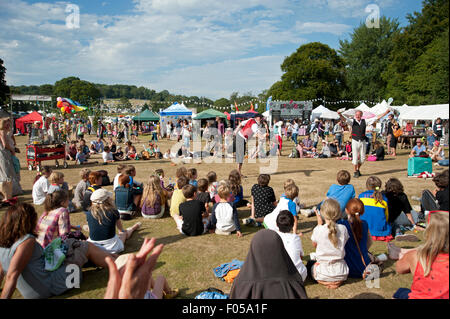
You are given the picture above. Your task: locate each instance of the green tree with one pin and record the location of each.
(4, 89)
(414, 41)
(367, 55)
(314, 70)
(78, 90)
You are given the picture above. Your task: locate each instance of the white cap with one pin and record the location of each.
(100, 195)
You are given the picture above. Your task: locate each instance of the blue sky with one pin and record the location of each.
(191, 47)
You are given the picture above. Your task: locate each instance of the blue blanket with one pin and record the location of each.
(223, 269)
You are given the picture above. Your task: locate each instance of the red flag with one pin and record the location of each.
(252, 108)
(236, 106)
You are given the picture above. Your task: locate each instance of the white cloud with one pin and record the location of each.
(313, 27)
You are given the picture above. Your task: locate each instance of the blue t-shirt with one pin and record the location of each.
(341, 193)
(352, 256)
(193, 182)
(419, 150)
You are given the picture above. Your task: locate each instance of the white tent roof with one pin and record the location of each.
(318, 111)
(175, 110)
(380, 108)
(330, 115)
(425, 112)
(363, 107)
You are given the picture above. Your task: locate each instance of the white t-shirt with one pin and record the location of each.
(325, 250)
(254, 129)
(40, 189)
(293, 245)
(107, 156)
(116, 181)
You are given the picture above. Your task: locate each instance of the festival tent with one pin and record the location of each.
(176, 110)
(209, 114)
(425, 113)
(318, 111)
(380, 108)
(330, 115)
(146, 116)
(363, 107)
(28, 119)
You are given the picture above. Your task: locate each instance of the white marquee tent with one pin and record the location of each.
(330, 115)
(317, 112)
(425, 112)
(363, 107)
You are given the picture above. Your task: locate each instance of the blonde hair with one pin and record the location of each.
(291, 191)
(436, 241)
(3, 122)
(331, 211)
(84, 173)
(151, 189)
(223, 191)
(98, 210)
(55, 177)
(288, 182)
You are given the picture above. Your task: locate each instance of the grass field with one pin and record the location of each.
(187, 262)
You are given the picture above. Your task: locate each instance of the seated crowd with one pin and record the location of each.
(347, 225)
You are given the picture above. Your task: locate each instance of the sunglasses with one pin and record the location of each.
(432, 212)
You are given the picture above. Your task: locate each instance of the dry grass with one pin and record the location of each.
(187, 262)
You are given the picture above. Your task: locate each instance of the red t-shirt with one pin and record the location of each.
(433, 286)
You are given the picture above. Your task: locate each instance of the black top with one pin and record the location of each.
(359, 130)
(268, 271)
(397, 203)
(86, 203)
(263, 198)
(390, 130)
(204, 197)
(105, 230)
(333, 148)
(192, 211)
(442, 198)
(379, 153)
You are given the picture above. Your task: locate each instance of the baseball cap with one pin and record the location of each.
(100, 195)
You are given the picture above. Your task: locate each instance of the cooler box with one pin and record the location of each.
(417, 165)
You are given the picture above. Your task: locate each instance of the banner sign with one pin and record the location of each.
(290, 110)
(32, 98)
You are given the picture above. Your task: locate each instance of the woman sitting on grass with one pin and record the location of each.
(22, 257)
(428, 263)
(103, 218)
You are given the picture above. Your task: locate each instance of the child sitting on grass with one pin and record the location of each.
(192, 213)
(202, 194)
(224, 217)
(120, 169)
(192, 175)
(103, 218)
(81, 187)
(286, 203)
(329, 267)
(343, 191)
(236, 188)
(376, 210)
(213, 184)
(181, 171)
(292, 242)
(177, 199)
(41, 185)
(80, 157)
(428, 263)
(55, 221)
(127, 197)
(107, 156)
(154, 199)
(57, 183)
(263, 201)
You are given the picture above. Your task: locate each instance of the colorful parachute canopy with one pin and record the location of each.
(69, 106)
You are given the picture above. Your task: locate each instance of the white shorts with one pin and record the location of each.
(330, 271)
(358, 152)
(113, 245)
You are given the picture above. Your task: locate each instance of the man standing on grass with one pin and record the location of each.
(244, 132)
(358, 132)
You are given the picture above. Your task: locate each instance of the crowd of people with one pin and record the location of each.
(347, 223)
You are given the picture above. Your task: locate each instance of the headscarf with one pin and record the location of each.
(268, 272)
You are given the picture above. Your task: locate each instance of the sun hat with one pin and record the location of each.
(100, 195)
